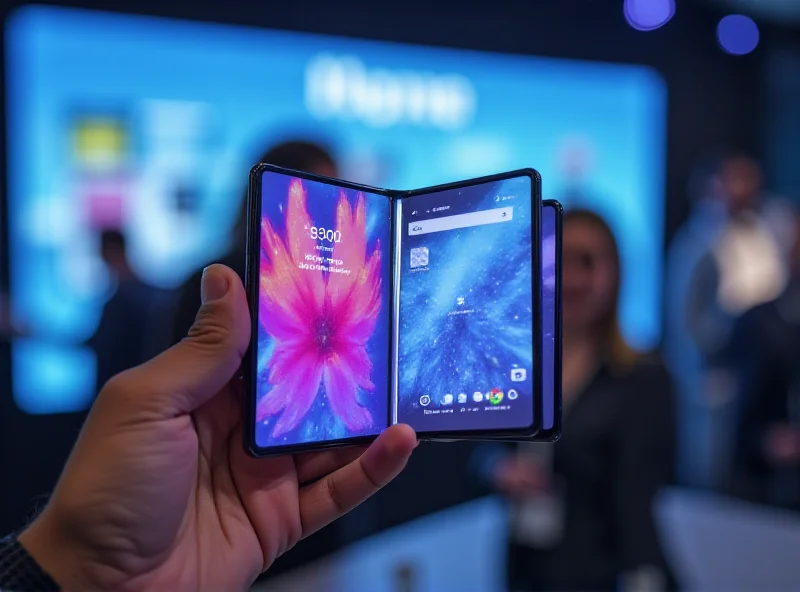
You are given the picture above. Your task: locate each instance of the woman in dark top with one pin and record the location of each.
(582, 508)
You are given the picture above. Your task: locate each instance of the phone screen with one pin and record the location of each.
(323, 343)
(465, 355)
(550, 394)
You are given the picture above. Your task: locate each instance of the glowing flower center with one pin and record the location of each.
(324, 333)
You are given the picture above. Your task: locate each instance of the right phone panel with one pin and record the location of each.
(552, 214)
(469, 324)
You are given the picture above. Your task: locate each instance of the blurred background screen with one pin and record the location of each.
(149, 126)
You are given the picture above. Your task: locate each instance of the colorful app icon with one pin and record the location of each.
(477, 396)
(495, 396)
(512, 394)
(425, 400)
(462, 398)
(448, 399)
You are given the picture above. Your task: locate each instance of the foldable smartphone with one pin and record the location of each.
(372, 307)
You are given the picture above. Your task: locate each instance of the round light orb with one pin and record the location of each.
(737, 34)
(648, 15)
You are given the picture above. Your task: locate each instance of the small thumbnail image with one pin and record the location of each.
(419, 257)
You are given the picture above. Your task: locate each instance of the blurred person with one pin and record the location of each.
(159, 493)
(582, 508)
(298, 155)
(121, 340)
(764, 355)
(576, 161)
(729, 257)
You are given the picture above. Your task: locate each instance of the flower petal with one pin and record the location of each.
(354, 356)
(294, 396)
(283, 364)
(299, 241)
(340, 388)
(351, 250)
(281, 326)
(278, 281)
(360, 312)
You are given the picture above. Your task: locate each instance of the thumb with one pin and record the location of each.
(188, 374)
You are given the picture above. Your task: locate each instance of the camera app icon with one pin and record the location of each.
(518, 374)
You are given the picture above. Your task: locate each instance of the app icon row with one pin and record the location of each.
(494, 397)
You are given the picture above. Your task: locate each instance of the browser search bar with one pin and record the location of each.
(481, 218)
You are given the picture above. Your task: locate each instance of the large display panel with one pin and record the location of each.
(148, 125)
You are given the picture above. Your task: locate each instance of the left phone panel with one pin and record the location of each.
(319, 284)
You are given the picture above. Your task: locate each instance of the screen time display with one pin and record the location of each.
(465, 347)
(322, 358)
(548, 224)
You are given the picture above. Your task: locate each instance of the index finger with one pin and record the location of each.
(325, 500)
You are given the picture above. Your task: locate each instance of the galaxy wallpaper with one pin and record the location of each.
(323, 331)
(548, 316)
(465, 359)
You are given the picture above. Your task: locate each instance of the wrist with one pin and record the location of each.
(54, 556)
(20, 571)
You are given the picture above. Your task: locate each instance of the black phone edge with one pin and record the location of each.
(554, 433)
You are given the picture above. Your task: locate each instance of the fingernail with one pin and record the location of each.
(213, 286)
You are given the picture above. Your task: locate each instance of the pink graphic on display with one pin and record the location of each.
(321, 321)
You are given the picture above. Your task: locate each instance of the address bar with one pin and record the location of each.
(481, 218)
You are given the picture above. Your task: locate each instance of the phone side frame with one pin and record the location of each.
(554, 434)
(248, 375)
(527, 432)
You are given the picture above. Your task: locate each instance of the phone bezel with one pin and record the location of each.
(249, 366)
(531, 430)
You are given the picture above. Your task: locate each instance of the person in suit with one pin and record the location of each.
(582, 508)
(121, 340)
(727, 258)
(763, 356)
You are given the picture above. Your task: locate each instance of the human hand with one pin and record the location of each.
(158, 493)
(782, 445)
(520, 478)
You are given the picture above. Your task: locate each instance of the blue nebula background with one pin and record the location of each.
(490, 267)
(320, 424)
(549, 392)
